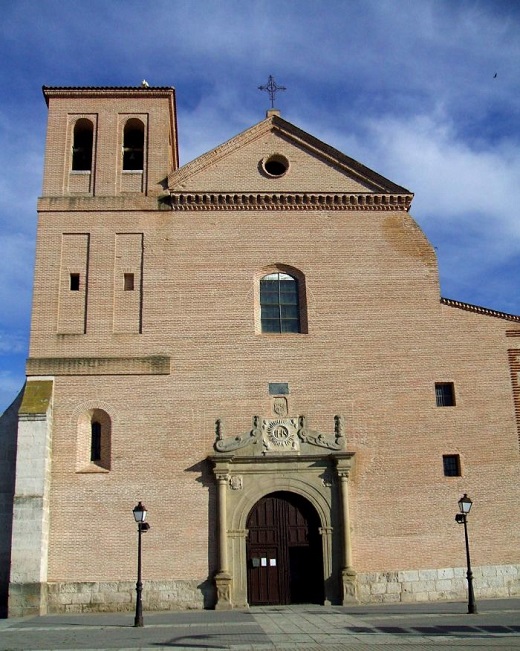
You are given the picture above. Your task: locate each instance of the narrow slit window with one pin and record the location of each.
(129, 282)
(444, 394)
(74, 282)
(451, 465)
(95, 441)
(82, 146)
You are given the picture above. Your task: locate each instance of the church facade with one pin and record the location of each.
(254, 345)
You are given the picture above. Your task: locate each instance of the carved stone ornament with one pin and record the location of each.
(236, 482)
(236, 442)
(280, 407)
(281, 435)
(322, 440)
(223, 582)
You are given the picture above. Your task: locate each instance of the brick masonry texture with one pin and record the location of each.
(378, 340)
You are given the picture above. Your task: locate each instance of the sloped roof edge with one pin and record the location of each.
(274, 122)
(478, 309)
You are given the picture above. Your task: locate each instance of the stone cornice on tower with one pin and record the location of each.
(50, 92)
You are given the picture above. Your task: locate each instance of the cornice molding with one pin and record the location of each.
(477, 309)
(50, 92)
(199, 201)
(51, 366)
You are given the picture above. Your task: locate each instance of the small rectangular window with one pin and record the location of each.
(445, 394)
(129, 282)
(74, 282)
(451, 464)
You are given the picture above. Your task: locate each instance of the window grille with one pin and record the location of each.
(279, 303)
(445, 394)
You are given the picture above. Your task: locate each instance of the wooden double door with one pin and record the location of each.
(284, 551)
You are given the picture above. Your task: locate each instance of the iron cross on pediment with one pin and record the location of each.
(272, 88)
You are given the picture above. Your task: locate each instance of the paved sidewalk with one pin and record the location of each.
(396, 627)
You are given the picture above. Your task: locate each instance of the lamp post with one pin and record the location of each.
(462, 518)
(140, 517)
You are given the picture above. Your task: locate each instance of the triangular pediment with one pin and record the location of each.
(241, 166)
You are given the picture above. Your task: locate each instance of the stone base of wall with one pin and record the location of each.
(489, 581)
(114, 596)
(27, 599)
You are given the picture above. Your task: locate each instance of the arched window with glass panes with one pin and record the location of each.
(279, 303)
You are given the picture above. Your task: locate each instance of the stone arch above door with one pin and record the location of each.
(242, 481)
(257, 485)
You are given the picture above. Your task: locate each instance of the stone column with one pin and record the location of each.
(223, 577)
(326, 538)
(348, 574)
(238, 567)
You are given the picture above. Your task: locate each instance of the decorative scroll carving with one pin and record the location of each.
(281, 435)
(322, 440)
(236, 442)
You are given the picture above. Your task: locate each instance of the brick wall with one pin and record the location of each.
(378, 340)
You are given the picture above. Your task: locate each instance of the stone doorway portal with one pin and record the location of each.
(284, 551)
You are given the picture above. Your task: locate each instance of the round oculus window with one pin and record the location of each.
(275, 165)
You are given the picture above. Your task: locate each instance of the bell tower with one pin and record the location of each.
(106, 142)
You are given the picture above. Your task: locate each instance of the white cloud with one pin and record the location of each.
(452, 178)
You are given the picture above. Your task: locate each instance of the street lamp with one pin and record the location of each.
(140, 517)
(462, 518)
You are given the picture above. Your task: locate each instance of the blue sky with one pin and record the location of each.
(407, 87)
